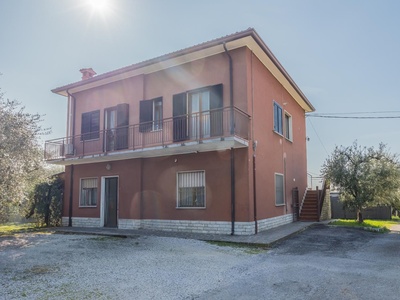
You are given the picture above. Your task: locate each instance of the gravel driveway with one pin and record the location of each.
(320, 263)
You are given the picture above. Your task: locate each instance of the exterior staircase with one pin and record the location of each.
(309, 210)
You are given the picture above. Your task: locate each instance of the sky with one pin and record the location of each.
(343, 54)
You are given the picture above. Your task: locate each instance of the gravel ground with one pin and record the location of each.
(54, 266)
(320, 263)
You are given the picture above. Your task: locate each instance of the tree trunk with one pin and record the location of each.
(360, 218)
(47, 207)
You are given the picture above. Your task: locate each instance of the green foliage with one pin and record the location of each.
(46, 202)
(12, 228)
(21, 160)
(365, 176)
(381, 224)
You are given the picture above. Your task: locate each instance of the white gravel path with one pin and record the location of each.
(54, 266)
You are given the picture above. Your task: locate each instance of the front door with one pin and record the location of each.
(110, 201)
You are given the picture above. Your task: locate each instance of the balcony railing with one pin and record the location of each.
(202, 126)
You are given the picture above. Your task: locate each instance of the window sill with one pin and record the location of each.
(88, 206)
(276, 132)
(279, 205)
(190, 208)
(289, 140)
(91, 140)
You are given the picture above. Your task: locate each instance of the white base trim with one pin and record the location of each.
(82, 222)
(210, 227)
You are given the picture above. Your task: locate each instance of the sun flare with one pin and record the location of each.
(100, 6)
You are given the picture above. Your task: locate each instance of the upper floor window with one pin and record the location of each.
(197, 114)
(151, 115)
(90, 128)
(278, 122)
(288, 127)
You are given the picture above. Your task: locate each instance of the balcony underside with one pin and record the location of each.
(213, 144)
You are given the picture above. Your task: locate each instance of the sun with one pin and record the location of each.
(100, 6)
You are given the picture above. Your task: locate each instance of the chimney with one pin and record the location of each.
(87, 73)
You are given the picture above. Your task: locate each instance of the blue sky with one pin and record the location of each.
(343, 54)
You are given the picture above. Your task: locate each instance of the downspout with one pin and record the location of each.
(233, 204)
(230, 87)
(254, 188)
(71, 188)
(233, 200)
(71, 185)
(254, 149)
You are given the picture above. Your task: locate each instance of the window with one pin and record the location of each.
(116, 126)
(151, 115)
(288, 126)
(279, 192)
(88, 192)
(198, 113)
(90, 125)
(278, 118)
(191, 189)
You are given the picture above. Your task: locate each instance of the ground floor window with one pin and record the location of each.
(279, 191)
(191, 189)
(88, 195)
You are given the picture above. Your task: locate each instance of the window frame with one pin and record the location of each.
(80, 192)
(277, 118)
(283, 189)
(149, 125)
(91, 134)
(288, 128)
(204, 192)
(160, 121)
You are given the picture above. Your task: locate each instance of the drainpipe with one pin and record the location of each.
(71, 188)
(254, 188)
(71, 185)
(233, 200)
(233, 204)
(230, 87)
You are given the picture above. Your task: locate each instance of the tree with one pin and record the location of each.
(364, 176)
(46, 201)
(21, 159)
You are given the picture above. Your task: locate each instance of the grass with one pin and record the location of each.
(383, 225)
(247, 248)
(12, 228)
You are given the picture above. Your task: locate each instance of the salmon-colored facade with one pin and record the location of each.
(207, 139)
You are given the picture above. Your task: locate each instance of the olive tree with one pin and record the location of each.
(365, 176)
(20, 154)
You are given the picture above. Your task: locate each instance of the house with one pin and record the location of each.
(210, 139)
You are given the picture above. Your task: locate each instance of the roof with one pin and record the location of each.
(248, 38)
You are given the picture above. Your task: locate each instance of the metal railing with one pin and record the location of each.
(199, 126)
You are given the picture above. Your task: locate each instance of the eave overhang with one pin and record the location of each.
(248, 38)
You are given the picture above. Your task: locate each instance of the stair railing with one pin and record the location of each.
(321, 197)
(302, 200)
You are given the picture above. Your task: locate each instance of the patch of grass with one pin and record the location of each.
(379, 224)
(12, 228)
(247, 248)
(102, 238)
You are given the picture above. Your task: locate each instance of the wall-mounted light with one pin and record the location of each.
(108, 167)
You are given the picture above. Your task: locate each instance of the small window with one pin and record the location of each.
(151, 115)
(90, 127)
(88, 195)
(288, 126)
(191, 189)
(278, 124)
(279, 190)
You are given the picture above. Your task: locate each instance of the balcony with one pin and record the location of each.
(212, 130)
